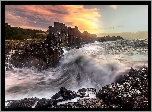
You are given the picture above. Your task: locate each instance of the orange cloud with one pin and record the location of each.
(113, 6)
(15, 20)
(83, 18)
(74, 15)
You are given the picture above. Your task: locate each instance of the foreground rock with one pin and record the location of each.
(129, 91)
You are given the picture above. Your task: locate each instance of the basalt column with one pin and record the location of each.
(69, 36)
(53, 45)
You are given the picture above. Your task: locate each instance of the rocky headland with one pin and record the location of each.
(46, 53)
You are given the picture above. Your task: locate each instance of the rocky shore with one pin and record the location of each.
(128, 91)
(28, 53)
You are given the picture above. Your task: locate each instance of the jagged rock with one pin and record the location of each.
(44, 103)
(126, 93)
(23, 103)
(35, 53)
(64, 94)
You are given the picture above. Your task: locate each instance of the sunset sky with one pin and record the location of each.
(92, 18)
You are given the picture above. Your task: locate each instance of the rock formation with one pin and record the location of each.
(46, 53)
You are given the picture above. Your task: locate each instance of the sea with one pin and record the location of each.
(94, 65)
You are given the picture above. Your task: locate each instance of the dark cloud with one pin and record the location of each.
(59, 11)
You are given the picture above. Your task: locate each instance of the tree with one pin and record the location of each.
(17, 33)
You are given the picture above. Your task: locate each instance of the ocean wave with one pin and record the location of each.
(86, 67)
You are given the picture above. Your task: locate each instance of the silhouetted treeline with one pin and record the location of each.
(17, 33)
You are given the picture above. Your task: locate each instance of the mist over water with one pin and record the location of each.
(94, 65)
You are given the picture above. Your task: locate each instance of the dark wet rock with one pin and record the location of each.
(92, 90)
(63, 95)
(35, 53)
(90, 102)
(23, 103)
(125, 93)
(32, 103)
(120, 79)
(56, 96)
(82, 90)
(44, 103)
